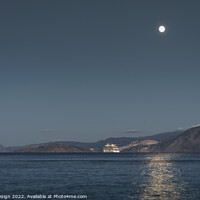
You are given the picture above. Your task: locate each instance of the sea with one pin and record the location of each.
(100, 176)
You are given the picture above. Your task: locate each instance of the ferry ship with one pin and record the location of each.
(111, 148)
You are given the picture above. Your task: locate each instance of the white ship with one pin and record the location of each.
(111, 148)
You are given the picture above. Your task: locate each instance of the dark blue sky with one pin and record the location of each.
(88, 70)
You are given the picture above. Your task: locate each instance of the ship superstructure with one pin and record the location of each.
(111, 148)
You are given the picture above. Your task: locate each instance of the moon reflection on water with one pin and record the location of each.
(161, 180)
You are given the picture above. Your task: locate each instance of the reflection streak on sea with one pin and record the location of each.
(159, 179)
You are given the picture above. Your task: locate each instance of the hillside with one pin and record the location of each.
(53, 148)
(142, 146)
(187, 142)
(166, 136)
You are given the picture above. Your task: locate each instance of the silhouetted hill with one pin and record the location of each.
(167, 136)
(53, 148)
(187, 142)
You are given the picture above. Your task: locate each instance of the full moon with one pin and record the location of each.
(162, 29)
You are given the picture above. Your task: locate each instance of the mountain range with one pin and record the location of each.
(98, 146)
(174, 142)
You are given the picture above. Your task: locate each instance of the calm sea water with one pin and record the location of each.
(101, 176)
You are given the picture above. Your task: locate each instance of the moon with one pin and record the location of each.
(162, 29)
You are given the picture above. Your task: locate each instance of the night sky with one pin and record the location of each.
(89, 70)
